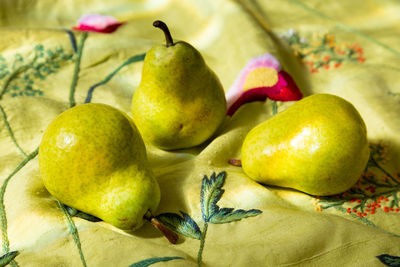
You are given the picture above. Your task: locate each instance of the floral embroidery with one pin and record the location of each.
(20, 75)
(260, 79)
(322, 51)
(88, 23)
(47, 61)
(372, 192)
(97, 23)
(211, 192)
(133, 59)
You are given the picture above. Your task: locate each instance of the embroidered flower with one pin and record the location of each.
(260, 79)
(322, 51)
(97, 23)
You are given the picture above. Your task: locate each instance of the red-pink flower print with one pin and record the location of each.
(97, 23)
(260, 79)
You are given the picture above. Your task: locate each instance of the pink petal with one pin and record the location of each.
(265, 60)
(284, 90)
(289, 90)
(98, 23)
(256, 94)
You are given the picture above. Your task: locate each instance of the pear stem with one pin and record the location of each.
(164, 28)
(235, 162)
(169, 234)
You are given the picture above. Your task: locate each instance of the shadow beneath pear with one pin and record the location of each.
(227, 142)
(276, 188)
(39, 192)
(148, 231)
(35, 187)
(172, 181)
(172, 171)
(377, 169)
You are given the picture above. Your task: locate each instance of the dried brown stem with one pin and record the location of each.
(169, 234)
(235, 162)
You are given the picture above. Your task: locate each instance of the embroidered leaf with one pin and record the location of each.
(226, 215)
(7, 258)
(389, 260)
(77, 213)
(87, 217)
(184, 225)
(150, 261)
(211, 192)
(23, 71)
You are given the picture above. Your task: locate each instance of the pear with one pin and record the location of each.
(92, 158)
(318, 145)
(180, 101)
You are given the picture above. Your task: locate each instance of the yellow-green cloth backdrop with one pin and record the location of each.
(346, 48)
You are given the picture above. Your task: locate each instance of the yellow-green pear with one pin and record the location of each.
(92, 158)
(318, 145)
(179, 102)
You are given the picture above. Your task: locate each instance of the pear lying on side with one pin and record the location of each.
(92, 158)
(318, 146)
(179, 102)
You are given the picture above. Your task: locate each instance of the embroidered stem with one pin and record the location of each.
(75, 76)
(366, 221)
(274, 108)
(388, 185)
(376, 164)
(3, 218)
(131, 60)
(10, 132)
(14, 74)
(150, 261)
(202, 241)
(12, 77)
(74, 232)
(334, 204)
(395, 201)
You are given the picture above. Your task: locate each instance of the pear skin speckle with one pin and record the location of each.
(179, 102)
(93, 158)
(318, 145)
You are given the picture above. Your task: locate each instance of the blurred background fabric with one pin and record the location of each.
(347, 48)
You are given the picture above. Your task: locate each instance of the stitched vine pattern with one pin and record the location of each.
(40, 66)
(18, 81)
(69, 211)
(20, 73)
(211, 192)
(376, 191)
(150, 261)
(322, 51)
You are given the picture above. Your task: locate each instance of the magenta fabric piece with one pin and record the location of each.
(284, 90)
(109, 29)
